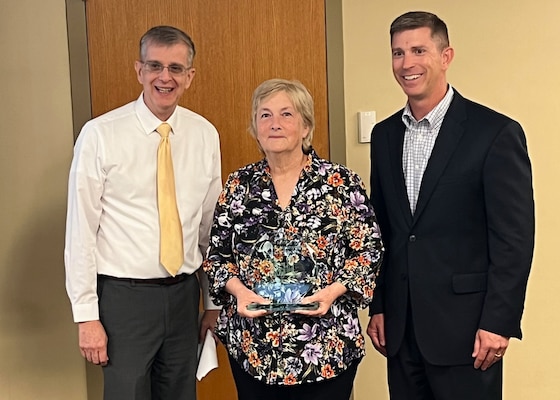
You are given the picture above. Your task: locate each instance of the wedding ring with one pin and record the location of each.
(498, 355)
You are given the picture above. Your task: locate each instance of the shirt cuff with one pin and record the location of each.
(85, 312)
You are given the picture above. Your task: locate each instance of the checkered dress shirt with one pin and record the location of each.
(419, 139)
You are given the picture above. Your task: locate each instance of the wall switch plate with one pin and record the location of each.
(366, 121)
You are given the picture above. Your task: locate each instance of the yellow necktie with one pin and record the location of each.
(171, 232)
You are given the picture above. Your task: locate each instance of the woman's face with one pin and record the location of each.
(280, 128)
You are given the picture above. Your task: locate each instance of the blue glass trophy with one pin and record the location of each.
(287, 274)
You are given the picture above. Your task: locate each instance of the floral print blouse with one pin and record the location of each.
(330, 215)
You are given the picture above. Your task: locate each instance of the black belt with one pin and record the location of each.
(170, 280)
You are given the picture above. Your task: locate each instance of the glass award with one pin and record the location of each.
(285, 274)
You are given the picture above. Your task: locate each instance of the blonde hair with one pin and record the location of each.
(299, 96)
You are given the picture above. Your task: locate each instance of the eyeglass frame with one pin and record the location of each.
(157, 68)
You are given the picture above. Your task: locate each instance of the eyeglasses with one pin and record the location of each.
(157, 68)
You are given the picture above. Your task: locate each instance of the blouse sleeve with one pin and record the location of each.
(361, 249)
(220, 263)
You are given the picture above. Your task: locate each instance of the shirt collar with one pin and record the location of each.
(310, 165)
(434, 117)
(148, 120)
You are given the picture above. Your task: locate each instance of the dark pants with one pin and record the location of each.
(338, 388)
(412, 378)
(153, 337)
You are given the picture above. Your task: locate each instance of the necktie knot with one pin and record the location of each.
(164, 130)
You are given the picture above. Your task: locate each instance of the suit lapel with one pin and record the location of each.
(395, 154)
(448, 138)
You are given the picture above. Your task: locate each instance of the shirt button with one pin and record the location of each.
(412, 238)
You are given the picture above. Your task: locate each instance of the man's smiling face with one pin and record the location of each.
(163, 90)
(420, 64)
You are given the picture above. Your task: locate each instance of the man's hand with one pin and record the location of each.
(489, 348)
(207, 322)
(93, 342)
(376, 331)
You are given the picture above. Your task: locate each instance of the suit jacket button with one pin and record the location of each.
(412, 238)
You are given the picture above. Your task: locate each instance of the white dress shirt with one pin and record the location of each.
(112, 223)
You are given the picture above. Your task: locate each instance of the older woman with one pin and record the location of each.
(292, 205)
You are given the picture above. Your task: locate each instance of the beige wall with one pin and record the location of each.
(506, 56)
(39, 357)
(501, 60)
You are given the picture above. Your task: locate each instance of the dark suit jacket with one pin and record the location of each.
(462, 260)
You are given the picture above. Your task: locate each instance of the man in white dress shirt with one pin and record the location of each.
(136, 319)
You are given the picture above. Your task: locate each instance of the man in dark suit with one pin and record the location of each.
(452, 189)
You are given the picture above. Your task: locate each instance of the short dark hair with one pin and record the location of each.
(421, 19)
(167, 36)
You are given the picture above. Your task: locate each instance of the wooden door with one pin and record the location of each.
(239, 44)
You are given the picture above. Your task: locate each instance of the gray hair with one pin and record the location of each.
(166, 36)
(298, 95)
